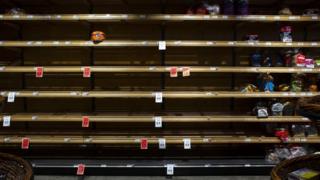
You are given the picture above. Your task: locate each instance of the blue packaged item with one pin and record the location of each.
(265, 82)
(256, 59)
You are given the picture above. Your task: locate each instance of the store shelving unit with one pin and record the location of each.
(26, 95)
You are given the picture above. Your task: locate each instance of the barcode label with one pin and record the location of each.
(170, 169)
(162, 143)
(158, 122)
(11, 97)
(6, 121)
(158, 97)
(187, 143)
(162, 45)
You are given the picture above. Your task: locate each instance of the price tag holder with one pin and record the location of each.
(80, 169)
(162, 45)
(162, 143)
(39, 72)
(86, 72)
(144, 144)
(170, 169)
(158, 97)
(11, 97)
(187, 143)
(173, 72)
(6, 121)
(186, 71)
(25, 142)
(158, 122)
(85, 121)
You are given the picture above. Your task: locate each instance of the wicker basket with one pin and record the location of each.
(14, 168)
(281, 171)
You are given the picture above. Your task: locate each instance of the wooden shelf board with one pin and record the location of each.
(158, 69)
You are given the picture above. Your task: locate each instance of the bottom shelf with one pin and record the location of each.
(103, 167)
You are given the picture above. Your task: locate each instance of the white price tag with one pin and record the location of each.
(269, 43)
(247, 140)
(314, 44)
(303, 140)
(162, 45)
(162, 143)
(277, 17)
(314, 17)
(158, 122)
(187, 143)
(293, 17)
(75, 17)
(158, 97)
(170, 169)
(6, 121)
(73, 93)
(11, 97)
(289, 44)
(213, 68)
(36, 93)
(209, 43)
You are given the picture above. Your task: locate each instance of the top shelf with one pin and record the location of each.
(156, 17)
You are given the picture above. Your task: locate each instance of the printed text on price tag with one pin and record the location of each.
(25, 143)
(86, 72)
(39, 72)
(85, 121)
(80, 169)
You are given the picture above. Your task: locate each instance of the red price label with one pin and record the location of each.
(144, 143)
(25, 143)
(39, 72)
(80, 169)
(86, 72)
(85, 121)
(173, 72)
